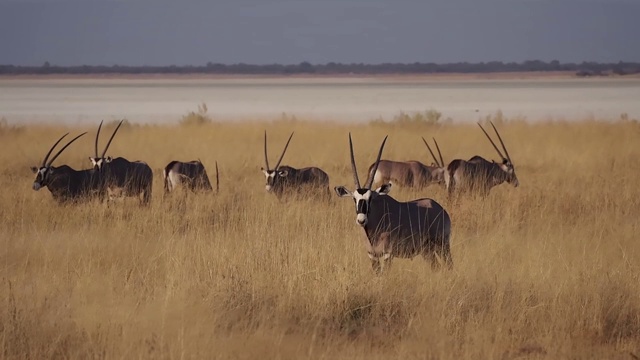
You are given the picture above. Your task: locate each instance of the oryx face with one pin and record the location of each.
(97, 162)
(510, 173)
(42, 177)
(274, 178)
(362, 199)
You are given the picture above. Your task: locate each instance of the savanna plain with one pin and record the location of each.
(546, 270)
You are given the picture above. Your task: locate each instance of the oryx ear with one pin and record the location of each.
(34, 169)
(342, 191)
(108, 159)
(384, 189)
(283, 173)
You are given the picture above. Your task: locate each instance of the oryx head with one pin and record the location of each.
(276, 175)
(98, 161)
(45, 171)
(506, 165)
(439, 174)
(362, 197)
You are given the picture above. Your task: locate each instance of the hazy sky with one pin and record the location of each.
(165, 32)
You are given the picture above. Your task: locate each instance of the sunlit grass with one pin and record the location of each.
(549, 269)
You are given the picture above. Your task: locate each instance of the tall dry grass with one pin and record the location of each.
(547, 270)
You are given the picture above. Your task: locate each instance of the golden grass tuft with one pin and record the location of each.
(547, 270)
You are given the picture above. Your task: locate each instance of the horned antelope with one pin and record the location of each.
(410, 173)
(65, 183)
(121, 177)
(480, 175)
(191, 175)
(283, 180)
(398, 229)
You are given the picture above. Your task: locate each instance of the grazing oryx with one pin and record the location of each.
(65, 183)
(410, 173)
(122, 177)
(191, 175)
(480, 175)
(283, 180)
(393, 228)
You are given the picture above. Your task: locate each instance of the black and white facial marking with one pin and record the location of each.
(42, 177)
(362, 199)
(98, 162)
(510, 171)
(273, 177)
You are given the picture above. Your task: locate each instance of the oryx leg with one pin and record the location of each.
(438, 255)
(386, 261)
(375, 263)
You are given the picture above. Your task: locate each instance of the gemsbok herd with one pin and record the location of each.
(392, 228)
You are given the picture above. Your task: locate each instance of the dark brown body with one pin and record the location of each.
(127, 178)
(69, 185)
(288, 180)
(191, 175)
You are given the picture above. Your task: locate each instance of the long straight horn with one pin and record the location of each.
(61, 150)
(439, 153)
(432, 155)
(283, 151)
(372, 176)
(266, 157)
(217, 179)
(112, 135)
(98, 136)
(492, 143)
(501, 142)
(353, 165)
(44, 162)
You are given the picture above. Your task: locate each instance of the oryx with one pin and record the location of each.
(410, 173)
(402, 229)
(283, 180)
(191, 175)
(122, 177)
(478, 174)
(63, 182)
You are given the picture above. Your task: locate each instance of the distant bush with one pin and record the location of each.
(6, 128)
(201, 117)
(427, 117)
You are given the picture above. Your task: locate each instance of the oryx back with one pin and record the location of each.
(191, 175)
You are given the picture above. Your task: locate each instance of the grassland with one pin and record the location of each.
(546, 270)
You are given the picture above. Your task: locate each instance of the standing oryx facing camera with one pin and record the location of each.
(393, 228)
(122, 177)
(65, 183)
(283, 180)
